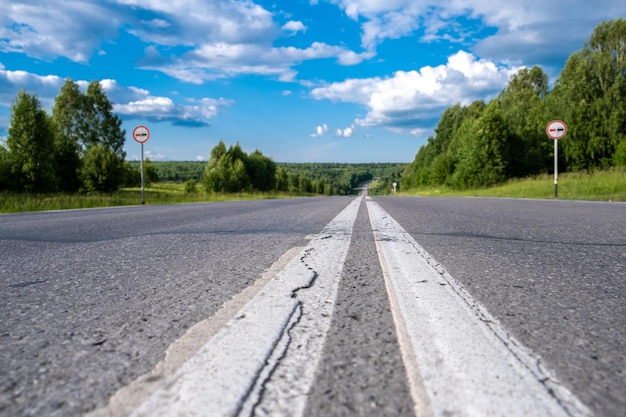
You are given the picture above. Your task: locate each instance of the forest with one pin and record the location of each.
(220, 174)
(482, 144)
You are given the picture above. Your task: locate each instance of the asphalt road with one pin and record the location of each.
(91, 299)
(553, 272)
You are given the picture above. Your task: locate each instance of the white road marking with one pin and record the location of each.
(280, 333)
(467, 364)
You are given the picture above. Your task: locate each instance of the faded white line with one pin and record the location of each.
(466, 362)
(125, 400)
(275, 339)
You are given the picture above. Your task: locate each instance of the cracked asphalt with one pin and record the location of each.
(361, 371)
(91, 299)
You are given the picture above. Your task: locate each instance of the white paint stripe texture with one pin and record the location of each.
(468, 364)
(284, 324)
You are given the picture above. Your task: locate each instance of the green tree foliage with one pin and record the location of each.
(226, 170)
(262, 171)
(484, 158)
(149, 172)
(5, 169)
(101, 169)
(482, 144)
(66, 118)
(591, 98)
(190, 186)
(523, 111)
(99, 125)
(31, 146)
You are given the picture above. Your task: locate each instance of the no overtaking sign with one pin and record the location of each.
(141, 134)
(556, 129)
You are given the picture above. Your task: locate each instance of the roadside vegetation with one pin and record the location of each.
(605, 185)
(485, 144)
(74, 158)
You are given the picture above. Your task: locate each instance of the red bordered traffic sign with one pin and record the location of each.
(141, 134)
(556, 129)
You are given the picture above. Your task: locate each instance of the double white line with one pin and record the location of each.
(459, 360)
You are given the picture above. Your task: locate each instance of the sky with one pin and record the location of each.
(354, 81)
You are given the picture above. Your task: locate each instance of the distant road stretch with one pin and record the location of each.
(337, 306)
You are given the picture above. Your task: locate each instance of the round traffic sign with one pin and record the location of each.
(556, 129)
(141, 134)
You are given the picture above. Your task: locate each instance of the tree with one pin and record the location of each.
(101, 170)
(522, 108)
(150, 173)
(5, 169)
(485, 157)
(262, 171)
(31, 145)
(99, 125)
(591, 98)
(66, 120)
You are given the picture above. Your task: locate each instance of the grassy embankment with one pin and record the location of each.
(159, 193)
(608, 185)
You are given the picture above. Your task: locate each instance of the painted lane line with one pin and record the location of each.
(466, 362)
(238, 372)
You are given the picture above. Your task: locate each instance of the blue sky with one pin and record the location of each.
(300, 80)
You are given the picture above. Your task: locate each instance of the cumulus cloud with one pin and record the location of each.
(197, 113)
(411, 101)
(129, 102)
(50, 29)
(320, 131)
(240, 34)
(45, 86)
(294, 27)
(531, 32)
(345, 133)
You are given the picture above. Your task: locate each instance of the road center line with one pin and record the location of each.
(466, 362)
(264, 359)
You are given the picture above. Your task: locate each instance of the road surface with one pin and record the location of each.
(315, 307)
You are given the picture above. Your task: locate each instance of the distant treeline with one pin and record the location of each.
(485, 143)
(232, 170)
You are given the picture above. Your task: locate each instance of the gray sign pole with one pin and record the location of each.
(141, 134)
(556, 168)
(143, 199)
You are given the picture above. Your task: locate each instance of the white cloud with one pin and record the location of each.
(294, 26)
(320, 131)
(345, 133)
(45, 86)
(148, 154)
(531, 31)
(241, 33)
(128, 102)
(410, 101)
(49, 29)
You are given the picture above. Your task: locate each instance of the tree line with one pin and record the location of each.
(482, 144)
(76, 148)
(232, 170)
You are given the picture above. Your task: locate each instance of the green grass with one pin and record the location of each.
(160, 193)
(607, 185)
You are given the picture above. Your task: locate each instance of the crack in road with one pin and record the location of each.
(254, 397)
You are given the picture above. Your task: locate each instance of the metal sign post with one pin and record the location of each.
(141, 134)
(556, 129)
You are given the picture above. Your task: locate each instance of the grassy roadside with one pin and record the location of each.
(608, 185)
(159, 193)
